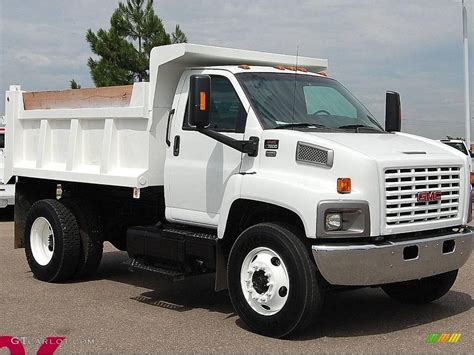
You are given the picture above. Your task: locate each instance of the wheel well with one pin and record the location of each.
(245, 213)
(116, 206)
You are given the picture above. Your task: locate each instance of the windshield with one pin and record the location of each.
(286, 99)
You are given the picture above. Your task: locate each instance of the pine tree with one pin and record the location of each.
(74, 85)
(124, 49)
(178, 36)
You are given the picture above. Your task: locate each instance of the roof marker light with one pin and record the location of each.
(244, 66)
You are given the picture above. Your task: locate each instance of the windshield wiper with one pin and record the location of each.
(301, 124)
(359, 126)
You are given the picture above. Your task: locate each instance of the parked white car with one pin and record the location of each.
(7, 191)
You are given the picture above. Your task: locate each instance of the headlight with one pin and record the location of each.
(343, 219)
(333, 221)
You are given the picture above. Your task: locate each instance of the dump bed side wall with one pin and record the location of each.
(89, 144)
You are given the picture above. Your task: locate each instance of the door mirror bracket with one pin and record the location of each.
(249, 147)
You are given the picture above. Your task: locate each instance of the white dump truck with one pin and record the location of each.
(254, 166)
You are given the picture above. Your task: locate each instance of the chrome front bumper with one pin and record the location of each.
(375, 264)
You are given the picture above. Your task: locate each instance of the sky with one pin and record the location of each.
(413, 47)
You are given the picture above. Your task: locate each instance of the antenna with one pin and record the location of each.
(294, 86)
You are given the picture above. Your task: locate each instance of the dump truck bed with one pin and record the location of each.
(90, 135)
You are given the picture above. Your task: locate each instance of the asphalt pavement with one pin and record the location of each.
(123, 312)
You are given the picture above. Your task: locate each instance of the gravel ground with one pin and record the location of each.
(123, 312)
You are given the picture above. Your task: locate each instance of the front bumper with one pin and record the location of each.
(375, 264)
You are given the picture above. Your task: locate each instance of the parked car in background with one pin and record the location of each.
(460, 144)
(7, 191)
(457, 143)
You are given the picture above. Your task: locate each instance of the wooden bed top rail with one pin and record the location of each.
(110, 96)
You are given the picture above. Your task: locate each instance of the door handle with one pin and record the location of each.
(170, 115)
(176, 146)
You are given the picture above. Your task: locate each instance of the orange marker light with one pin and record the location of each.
(279, 67)
(344, 185)
(472, 178)
(323, 73)
(244, 66)
(202, 101)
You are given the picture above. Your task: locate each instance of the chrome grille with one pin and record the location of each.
(403, 185)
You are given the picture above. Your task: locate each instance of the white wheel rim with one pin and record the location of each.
(264, 281)
(42, 241)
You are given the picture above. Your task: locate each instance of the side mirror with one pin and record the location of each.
(199, 100)
(393, 112)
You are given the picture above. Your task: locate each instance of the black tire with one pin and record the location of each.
(92, 239)
(421, 291)
(304, 293)
(65, 257)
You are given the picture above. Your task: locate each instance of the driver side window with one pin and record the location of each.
(227, 112)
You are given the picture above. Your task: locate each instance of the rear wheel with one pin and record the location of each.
(273, 281)
(52, 241)
(421, 291)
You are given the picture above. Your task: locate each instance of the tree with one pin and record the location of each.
(74, 84)
(124, 49)
(178, 36)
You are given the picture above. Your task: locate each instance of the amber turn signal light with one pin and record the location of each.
(202, 101)
(344, 185)
(472, 178)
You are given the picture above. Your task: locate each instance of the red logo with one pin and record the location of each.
(15, 345)
(427, 196)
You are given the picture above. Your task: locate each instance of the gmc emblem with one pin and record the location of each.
(426, 196)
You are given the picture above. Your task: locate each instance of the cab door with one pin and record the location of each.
(198, 167)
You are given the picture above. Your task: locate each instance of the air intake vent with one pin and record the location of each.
(313, 154)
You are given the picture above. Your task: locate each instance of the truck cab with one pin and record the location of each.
(254, 166)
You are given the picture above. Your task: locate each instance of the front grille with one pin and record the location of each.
(403, 185)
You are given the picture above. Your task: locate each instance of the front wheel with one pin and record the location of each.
(273, 281)
(421, 291)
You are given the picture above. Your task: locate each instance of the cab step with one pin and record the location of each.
(188, 233)
(181, 247)
(137, 264)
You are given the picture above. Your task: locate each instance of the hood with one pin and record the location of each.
(389, 145)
